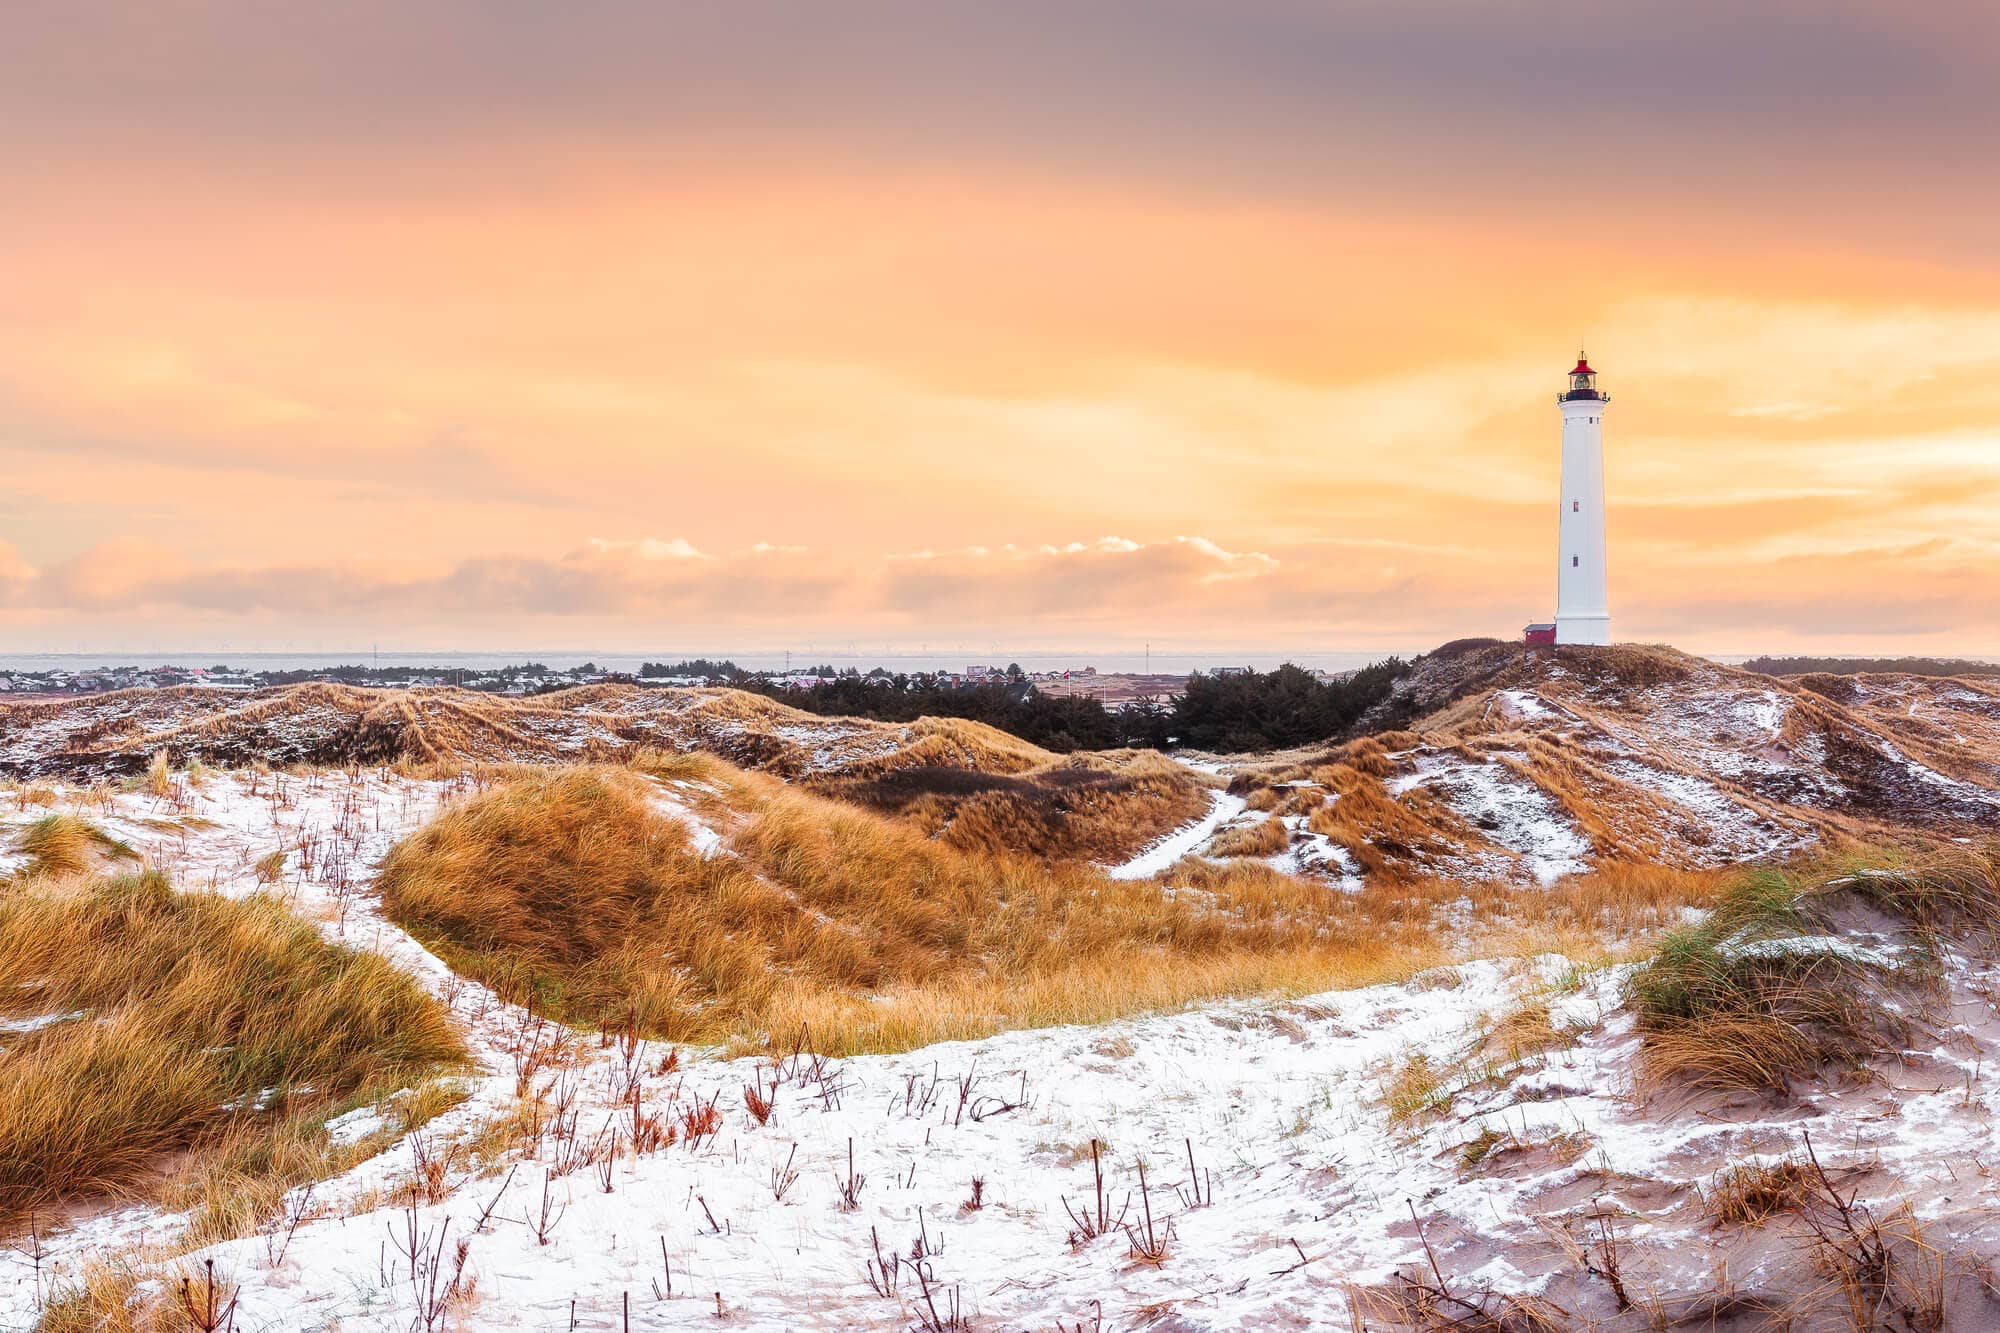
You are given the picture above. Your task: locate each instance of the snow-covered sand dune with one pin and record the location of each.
(1276, 1169)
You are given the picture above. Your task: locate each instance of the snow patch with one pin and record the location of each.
(1222, 808)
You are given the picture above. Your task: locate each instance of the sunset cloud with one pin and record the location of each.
(654, 576)
(116, 575)
(1105, 590)
(1074, 583)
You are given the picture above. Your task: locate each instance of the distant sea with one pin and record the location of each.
(1178, 663)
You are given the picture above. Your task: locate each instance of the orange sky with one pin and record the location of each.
(1208, 324)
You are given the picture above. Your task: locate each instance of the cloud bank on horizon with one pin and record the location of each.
(1177, 319)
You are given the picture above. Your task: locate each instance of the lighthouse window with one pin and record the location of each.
(1576, 506)
(1575, 560)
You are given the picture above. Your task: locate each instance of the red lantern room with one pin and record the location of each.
(1582, 381)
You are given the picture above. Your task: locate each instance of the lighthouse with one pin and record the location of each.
(1583, 613)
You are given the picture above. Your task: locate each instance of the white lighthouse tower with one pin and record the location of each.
(1583, 613)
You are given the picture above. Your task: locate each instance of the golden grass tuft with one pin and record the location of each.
(1415, 1087)
(107, 1298)
(196, 1016)
(68, 845)
(1266, 837)
(1371, 757)
(231, 1186)
(569, 891)
(1497, 1148)
(127, 1296)
(1752, 1193)
(1527, 1028)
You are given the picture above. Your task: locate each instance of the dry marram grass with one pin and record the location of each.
(1752, 1193)
(1100, 807)
(1768, 989)
(571, 891)
(69, 845)
(172, 1019)
(1266, 837)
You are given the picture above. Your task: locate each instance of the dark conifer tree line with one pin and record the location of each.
(1258, 710)
(1851, 666)
(1272, 710)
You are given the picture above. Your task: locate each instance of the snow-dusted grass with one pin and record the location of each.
(1261, 837)
(1509, 811)
(1762, 993)
(180, 1017)
(1630, 754)
(67, 844)
(1277, 1107)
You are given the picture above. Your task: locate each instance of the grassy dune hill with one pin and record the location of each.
(726, 906)
(1102, 806)
(1487, 763)
(321, 723)
(969, 783)
(1519, 766)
